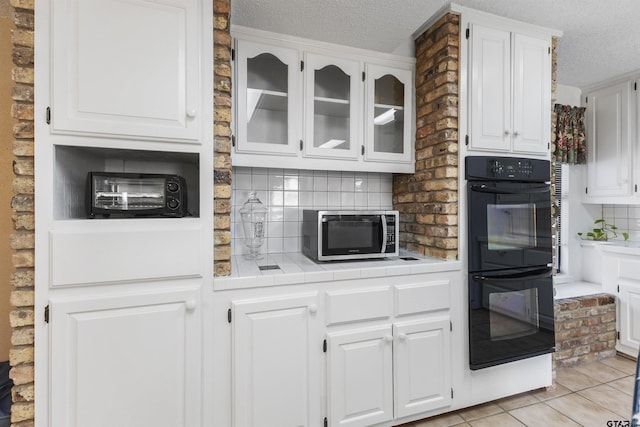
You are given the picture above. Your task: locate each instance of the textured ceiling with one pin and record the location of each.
(601, 39)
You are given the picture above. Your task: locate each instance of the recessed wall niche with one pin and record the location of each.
(72, 164)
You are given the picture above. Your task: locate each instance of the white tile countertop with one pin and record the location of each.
(296, 268)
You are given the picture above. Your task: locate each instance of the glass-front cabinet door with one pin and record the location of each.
(388, 114)
(268, 103)
(332, 105)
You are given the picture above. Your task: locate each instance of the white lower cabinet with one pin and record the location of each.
(422, 366)
(353, 353)
(360, 376)
(621, 276)
(629, 317)
(126, 359)
(379, 373)
(276, 350)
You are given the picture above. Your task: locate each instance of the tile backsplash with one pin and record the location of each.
(626, 218)
(287, 192)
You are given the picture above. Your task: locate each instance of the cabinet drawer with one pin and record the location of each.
(421, 297)
(107, 257)
(358, 304)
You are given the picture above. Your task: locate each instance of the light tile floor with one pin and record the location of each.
(589, 395)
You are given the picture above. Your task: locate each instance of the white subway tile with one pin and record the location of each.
(276, 198)
(373, 200)
(291, 229)
(259, 182)
(276, 181)
(291, 198)
(334, 183)
(275, 229)
(242, 181)
(373, 182)
(275, 213)
(361, 200)
(334, 200)
(305, 183)
(360, 185)
(305, 198)
(291, 244)
(320, 183)
(621, 211)
(320, 199)
(347, 200)
(347, 183)
(291, 183)
(291, 213)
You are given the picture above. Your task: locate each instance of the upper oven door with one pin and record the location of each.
(352, 235)
(509, 225)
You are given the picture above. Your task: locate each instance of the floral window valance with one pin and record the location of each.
(571, 144)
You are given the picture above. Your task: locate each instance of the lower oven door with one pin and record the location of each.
(510, 316)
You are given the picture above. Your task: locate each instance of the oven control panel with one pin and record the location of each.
(507, 169)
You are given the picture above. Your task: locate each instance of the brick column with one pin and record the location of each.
(222, 136)
(428, 199)
(21, 355)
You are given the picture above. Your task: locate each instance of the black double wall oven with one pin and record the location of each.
(510, 280)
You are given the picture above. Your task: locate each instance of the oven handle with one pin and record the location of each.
(480, 278)
(482, 188)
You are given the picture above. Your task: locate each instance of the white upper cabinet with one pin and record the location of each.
(332, 105)
(126, 68)
(610, 121)
(389, 114)
(510, 91)
(302, 104)
(268, 98)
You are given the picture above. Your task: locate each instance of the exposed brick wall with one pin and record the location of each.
(21, 355)
(222, 132)
(585, 329)
(428, 199)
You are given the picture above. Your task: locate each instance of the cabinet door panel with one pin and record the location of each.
(609, 113)
(126, 67)
(276, 361)
(360, 377)
(127, 360)
(389, 112)
(332, 103)
(422, 364)
(490, 86)
(268, 99)
(629, 312)
(531, 94)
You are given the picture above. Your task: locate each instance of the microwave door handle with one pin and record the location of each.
(484, 189)
(383, 218)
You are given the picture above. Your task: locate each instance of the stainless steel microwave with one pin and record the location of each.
(349, 235)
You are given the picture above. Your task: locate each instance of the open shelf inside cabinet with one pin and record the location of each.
(73, 164)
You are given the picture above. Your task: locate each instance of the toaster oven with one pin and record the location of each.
(135, 194)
